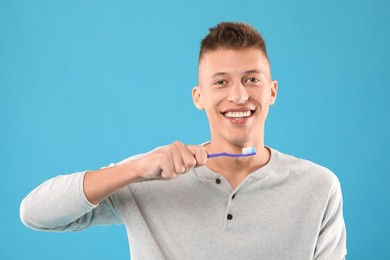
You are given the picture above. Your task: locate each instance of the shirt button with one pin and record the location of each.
(229, 216)
(234, 195)
(218, 181)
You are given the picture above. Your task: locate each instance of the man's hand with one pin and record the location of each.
(170, 161)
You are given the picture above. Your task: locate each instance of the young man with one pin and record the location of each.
(178, 204)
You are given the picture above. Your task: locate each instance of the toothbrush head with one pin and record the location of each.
(249, 150)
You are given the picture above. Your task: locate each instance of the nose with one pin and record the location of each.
(238, 94)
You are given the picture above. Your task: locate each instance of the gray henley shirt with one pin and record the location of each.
(288, 209)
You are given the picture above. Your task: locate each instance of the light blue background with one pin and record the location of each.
(87, 83)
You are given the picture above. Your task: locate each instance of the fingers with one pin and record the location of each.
(200, 154)
(180, 159)
(167, 165)
(187, 159)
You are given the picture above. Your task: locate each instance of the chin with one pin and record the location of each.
(239, 141)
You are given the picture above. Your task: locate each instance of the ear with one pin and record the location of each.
(274, 92)
(197, 97)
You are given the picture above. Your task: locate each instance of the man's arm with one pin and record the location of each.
(164, 163)
(331, 243)
(66, 202)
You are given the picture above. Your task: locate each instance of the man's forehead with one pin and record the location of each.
(227, 61)
(219, 53)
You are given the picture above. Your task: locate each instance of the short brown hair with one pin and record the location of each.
(231, 35)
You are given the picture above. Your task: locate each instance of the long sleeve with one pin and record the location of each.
(331, 243)
(59, 204)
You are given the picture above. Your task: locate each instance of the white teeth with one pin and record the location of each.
(238, 114)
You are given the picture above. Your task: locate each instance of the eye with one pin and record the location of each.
(253, 80)
(220, 82)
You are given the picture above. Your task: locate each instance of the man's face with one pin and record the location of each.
(235, 89)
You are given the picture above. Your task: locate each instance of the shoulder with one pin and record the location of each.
(304, 168)
(317, 179)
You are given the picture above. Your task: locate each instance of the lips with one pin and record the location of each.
(239, 114)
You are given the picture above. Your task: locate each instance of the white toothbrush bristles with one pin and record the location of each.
(249, 150)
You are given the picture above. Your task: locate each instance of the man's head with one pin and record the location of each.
(235, 84)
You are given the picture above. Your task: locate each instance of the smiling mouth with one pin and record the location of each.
(239, 115)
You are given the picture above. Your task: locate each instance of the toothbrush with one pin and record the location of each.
(247, 151)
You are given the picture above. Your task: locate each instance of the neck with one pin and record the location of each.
(237, 169)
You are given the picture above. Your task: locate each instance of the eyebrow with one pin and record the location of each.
(218, 74)
(253, 71)
(225, 73)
